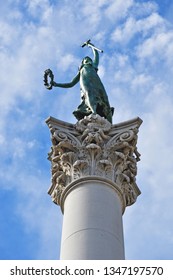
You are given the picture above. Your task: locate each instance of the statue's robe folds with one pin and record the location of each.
(93, 94)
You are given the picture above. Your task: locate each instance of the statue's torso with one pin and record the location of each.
(90, 81)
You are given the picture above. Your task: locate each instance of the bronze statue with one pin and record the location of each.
(93, 95)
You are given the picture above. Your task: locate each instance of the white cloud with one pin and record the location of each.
(157, 47)
(67, 62)
(140, 81)
(118, 9)
(142, 9)
(39, 7)
(7, 33)
(132, 26)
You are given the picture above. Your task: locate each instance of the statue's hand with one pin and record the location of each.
(87, 43)
(48, 83)
(90, 45)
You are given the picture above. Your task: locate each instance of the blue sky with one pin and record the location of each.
(136, 69)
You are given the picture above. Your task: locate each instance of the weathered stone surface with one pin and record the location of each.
(94, 147)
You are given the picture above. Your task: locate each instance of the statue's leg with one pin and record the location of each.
(106, 111)
(91, 101)
(82, 111)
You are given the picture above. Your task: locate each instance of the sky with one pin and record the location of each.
(136, 69)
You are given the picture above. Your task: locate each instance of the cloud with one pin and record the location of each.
(157, 47)
(132, 27)
(118, 9)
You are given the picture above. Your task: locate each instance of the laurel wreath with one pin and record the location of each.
(48, 78)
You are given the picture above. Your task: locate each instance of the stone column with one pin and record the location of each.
(94, 165)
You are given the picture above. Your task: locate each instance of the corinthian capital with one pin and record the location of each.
(94, 147)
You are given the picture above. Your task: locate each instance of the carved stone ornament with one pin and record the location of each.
(94, 147)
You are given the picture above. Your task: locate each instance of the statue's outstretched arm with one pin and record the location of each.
(67, 85)
(51, 83)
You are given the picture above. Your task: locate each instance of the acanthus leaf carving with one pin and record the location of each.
(94, 147)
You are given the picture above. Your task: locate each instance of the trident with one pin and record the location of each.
(87, 43)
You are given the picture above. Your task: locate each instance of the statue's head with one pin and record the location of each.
(87, 60)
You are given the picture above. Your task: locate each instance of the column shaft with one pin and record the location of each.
(92, 224)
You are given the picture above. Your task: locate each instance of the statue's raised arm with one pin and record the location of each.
(95, 52)
(94, 99)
